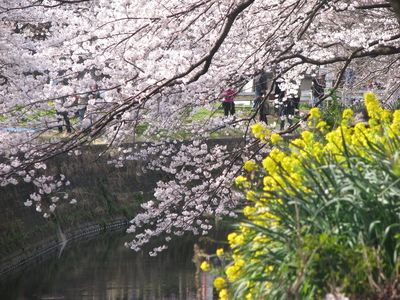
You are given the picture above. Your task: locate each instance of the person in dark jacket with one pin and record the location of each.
(62, 112)
(260, 88)
(318, 90)
(287, 111)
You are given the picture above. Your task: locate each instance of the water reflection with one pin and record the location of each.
(102, 268)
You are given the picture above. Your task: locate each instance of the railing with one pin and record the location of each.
(247, 98)
(353, 97)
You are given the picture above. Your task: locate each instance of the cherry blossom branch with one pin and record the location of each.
(230, 19)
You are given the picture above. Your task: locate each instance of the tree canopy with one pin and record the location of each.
(159, 63)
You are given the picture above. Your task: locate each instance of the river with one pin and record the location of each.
(101, 267)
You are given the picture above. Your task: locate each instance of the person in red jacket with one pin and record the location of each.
(228, 103)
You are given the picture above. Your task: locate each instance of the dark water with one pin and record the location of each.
(103, 268)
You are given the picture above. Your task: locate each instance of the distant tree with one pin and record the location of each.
(159, 62)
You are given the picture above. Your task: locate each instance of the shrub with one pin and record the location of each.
(323, 214)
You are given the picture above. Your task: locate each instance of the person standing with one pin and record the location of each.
(264, 111)
(82, 106)
(81, 101)
(295, 94)
(287, 111)
(279, 93)
(318, 90)
(228, 103)
(350, 78)
(62, 112)
(64, 115)
(260, 88)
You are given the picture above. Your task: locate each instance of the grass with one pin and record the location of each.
(242, 112)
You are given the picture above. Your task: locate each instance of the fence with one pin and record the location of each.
(247, 98)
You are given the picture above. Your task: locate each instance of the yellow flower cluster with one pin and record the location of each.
(235, 239)
(249, 165)
(373, 107)
(223, 294)
(242, 182)
(220, 252)
(264, 134)
(314, 112)
(235, 270)
(283, 169)
(219, 283)
(205, 266)
(259, 131)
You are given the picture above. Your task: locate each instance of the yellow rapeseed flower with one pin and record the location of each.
(231, 273)
(242, 181)
(249, 210)
(220, 252)
(239, 240)
(234, 271)
(257, 128)
(240, 263)
(386, 116)
(314, 112)
(259, 131)
(269, 164)
(251, 195)
(322, 126)
(369, 97)
(373, 122)
(205, 266)
(231, 237)
(268, 182)
(393, 131)
(373, 107)
(307, 136)
(219, 283)
(396, 117)
(297, 179)
(235, 239)
(298, 143)
(223, 294)
(347, 113)
(275, 138)
(274, 153)
(249, 165)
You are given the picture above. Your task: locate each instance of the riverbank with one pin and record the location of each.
(107, 197)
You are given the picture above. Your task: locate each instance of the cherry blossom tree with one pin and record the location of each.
(158, 63)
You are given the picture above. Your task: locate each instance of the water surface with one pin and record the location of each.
(103, 268)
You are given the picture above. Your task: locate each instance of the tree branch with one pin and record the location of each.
(395, 4)
(208, 58)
